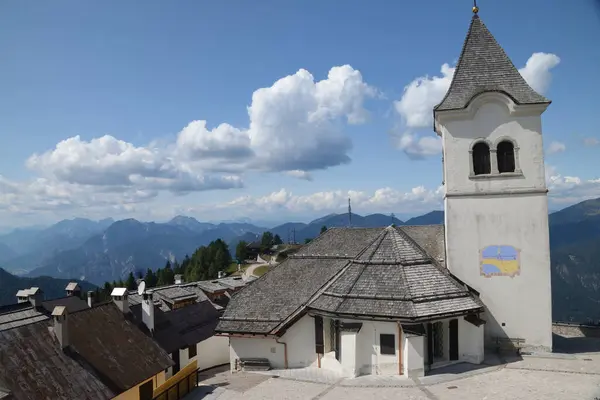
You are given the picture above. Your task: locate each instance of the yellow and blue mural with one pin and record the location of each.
(500, 261)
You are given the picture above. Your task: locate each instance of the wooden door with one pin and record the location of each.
(453, 339)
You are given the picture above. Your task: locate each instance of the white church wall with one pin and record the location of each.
(493, 123)
(470, 342)
(414, 356)
(257, 348)
(209, 353)
(212, 352)
(369, 359)
(349, 352)
(300, 339)
(498, 213)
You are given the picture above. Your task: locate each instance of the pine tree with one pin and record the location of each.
(130, 283)
(241, 251)
(150, 278)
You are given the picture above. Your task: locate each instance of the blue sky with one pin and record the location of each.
(140, 72)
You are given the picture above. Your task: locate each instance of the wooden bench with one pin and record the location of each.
(508, 345)
(255, 364)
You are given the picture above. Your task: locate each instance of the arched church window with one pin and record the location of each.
(481, 159)
(506, 156)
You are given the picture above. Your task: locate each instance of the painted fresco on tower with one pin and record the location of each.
(500, 261)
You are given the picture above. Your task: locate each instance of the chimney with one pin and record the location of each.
(61, 327)
(178, 279)
(90, 298)
(23, 296)
(119, 296)
(148, 310)
(73, 289)
(220, 274)
(36, 296)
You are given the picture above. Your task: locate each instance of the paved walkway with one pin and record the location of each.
(556, 376)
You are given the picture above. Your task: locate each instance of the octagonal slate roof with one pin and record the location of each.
(353, 272)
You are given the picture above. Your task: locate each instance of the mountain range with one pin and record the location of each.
(107, 250)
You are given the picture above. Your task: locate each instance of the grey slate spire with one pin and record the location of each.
(483, 66)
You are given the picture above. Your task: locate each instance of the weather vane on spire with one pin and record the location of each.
(475, 8)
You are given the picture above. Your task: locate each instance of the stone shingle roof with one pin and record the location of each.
(15, 315)
(395, 278)
(268, 301)
(106, 355)
(179, 328)
(115, 347)
(483, 66)
(383, 272)
(33, 366)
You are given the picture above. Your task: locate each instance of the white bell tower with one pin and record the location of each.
(496, 202)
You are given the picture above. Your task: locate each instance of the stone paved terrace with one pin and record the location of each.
(571, 373)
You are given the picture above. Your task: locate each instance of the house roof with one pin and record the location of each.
(72, 303)
(116, 349)
(179, 328)
(483, 66)
(31, 351)
(371, 272)
(16, 315)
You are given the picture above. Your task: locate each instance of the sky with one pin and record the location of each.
(266, 110)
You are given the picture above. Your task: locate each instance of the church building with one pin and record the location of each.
(403, 300)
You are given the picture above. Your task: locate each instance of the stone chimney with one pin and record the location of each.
(178, 279)
(90, 298)
(119, 296)
(61, 326)
(220, 274)
(148, 310)
(36, 296)
(73, 289)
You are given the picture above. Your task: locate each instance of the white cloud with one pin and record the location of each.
(380, 200)
(415, 107)
(294, 127)
(418, 146)
(110, 162)
(570, 189)
(294, 124)
(537, 70)
(591, 141)
(556, 147)
(421, 95)
(296, 173)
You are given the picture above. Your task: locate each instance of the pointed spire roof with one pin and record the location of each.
(483, 66)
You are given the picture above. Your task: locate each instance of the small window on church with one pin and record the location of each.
(506, 157)
(481, 159)
(387, 344)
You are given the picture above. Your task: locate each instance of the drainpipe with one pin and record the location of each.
(285, 356)
(400, 355)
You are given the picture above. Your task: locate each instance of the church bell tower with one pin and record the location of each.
(496, 206)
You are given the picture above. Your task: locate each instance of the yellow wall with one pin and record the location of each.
(134, 392)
